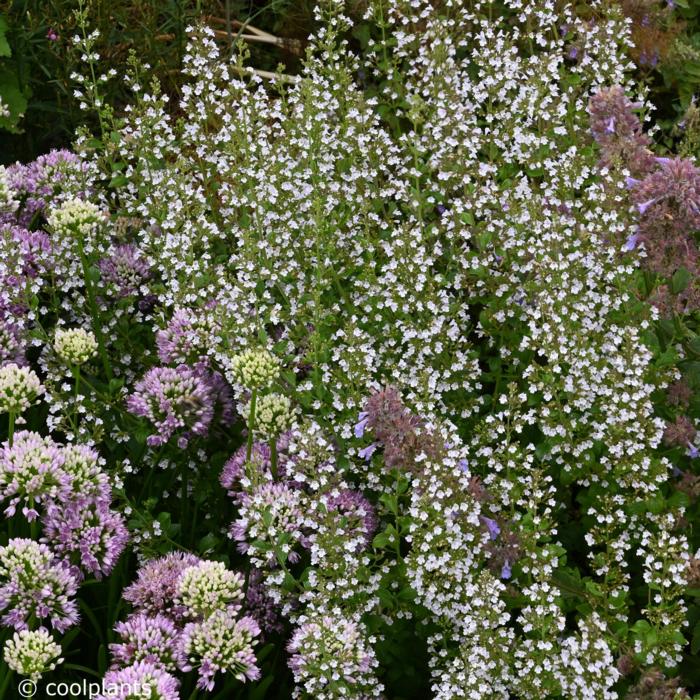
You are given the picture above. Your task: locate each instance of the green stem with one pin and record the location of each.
(94, 313)
(273, 457)
(251, 425)
(5, 683)
(184, 488)
(34, 524)
(11, 429)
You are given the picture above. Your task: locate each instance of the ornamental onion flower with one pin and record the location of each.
(209, 586)
(156, 587)
(142, 680)
(85, 533)
(75, 218)
(255, 369)
(31, 471)
(154, 639)
(273, 415)
(19, 388)
(32, 653)
(75, 346)
(220, 644)
(35, 585)
(173, 399)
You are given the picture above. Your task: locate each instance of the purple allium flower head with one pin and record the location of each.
(150, 679)
(86, 534)
(125, 270)
(173, 399)
(34, 584)
(220, 643)
(156, 587)
(184, 339)
(356, 517)
(51, 34)
(260, 606)
(154, 639)
(492, 526)
(31, 471)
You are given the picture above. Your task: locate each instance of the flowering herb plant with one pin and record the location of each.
(374, 382)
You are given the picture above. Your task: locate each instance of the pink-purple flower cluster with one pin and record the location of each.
(186, 617)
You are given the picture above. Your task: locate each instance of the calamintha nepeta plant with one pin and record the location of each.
(364, 357)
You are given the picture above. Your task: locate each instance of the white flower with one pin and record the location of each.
(75, 346)
(32, 653)
(209, 586)
(75, 217)
(19, 388)
(255, 369)
(8, 203)
(273, 415)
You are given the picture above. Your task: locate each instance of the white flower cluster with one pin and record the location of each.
(209, 586)
(19, 388)
(75, 218)
(8, 203)
(273, 415)
(75, 346)
(32, 653)
(254, 369)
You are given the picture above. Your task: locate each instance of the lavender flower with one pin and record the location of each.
(154, 639)
(125, 271)
(625, 142)
(34, 584)
(86, 534)
(140, 680)
(31, 471)
(402, 434)
(220, 643)
(156, 587)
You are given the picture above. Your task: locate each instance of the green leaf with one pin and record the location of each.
(5, 50)
(680, 280)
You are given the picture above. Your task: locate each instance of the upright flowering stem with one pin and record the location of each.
(273, 457)
(11, 428)
(251, 424)
(96, 325)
